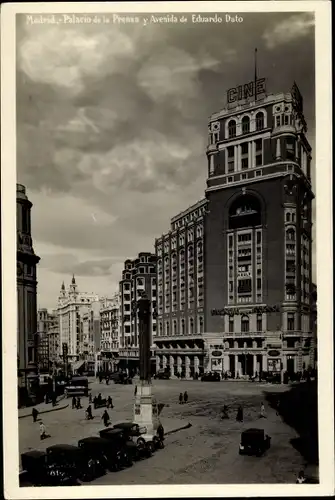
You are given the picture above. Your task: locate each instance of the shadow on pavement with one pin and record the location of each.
(299, 409)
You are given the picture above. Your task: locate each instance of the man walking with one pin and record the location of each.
(185, 397)
(105, 418)
(74, 403)
(34, 414)
(42, 431)
(239, 416)
(181, 398)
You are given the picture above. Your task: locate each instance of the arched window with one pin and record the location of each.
(201, 324)
(190, 252)
(259, 121)
(245, 211)
(231, 129)
(191, 325)
(183, 326)
(245, 324)
(290, 234)
(167, 328)
(175, 327)
(245, 125)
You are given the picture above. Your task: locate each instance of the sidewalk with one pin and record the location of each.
(43, 408)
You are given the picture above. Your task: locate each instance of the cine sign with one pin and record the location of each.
(252, 89)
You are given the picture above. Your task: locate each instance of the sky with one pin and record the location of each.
(112, 129)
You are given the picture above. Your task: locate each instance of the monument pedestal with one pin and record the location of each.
(145, 408)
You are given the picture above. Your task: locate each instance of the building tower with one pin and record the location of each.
(258, 257)
(27, 339)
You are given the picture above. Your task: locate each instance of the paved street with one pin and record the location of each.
(205, 453)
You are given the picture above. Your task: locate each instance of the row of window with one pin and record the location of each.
(188, 218)
(182, 331)
(181, 239)
(232, 125)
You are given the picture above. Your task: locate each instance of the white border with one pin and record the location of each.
(322, 11)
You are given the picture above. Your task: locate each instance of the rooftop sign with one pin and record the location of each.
(246, 91)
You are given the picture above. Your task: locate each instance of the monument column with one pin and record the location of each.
(145, 407)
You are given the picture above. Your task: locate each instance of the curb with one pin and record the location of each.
(46, 411)
(186, 426)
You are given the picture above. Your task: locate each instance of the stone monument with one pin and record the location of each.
(145, 407)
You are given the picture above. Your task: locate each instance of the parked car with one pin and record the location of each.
(99, 403)
(144, 441)
(107, 457)
(34, 466)
(211, 377)
(162, 375)
(254, 442)
(70, 461)
(120, 445)
(122, 378)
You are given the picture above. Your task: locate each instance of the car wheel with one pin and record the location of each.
(150, 449)
(140, 444)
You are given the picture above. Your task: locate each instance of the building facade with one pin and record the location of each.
(79, 322)
(253, 237)
(110, 332)
(138, 276)
(47, 324)
(27, 260)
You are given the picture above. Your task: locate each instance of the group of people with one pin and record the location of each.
(76, 403)
(183, 398)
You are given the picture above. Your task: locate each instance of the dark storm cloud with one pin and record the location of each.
(112, 120)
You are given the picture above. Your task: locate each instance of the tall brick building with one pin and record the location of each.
(27, 260)
(235, 271)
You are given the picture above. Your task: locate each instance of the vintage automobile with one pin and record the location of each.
(120, 445)
(122, 378)
(34, 467)
(72, 462)
(162, 375)
(211, 377)
(254, 442)
(146, 443)
(107, 457)
(99, 403)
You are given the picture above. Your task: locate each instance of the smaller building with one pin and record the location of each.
(47, 326)
(109, 333)
(138, 277)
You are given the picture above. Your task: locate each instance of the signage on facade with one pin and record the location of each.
(297, 99)
(226, 311)
(274, 353)
(216, 354)
(246, 91)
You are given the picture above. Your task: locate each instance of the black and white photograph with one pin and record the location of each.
(169, 257)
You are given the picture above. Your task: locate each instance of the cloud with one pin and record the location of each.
(288, 30)
(112, 129)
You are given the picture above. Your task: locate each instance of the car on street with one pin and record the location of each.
(162, 375)
(121, 446)
(144, 441)
(70, 461)
(211, 377)
(107, 457)
(254, 442)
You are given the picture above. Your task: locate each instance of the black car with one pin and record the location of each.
(211, 377)
(122, 446)
(137, 434)
(34, 467)
(254, 442)
(107, 457)
(162, 375)
(122, 378)
(70, 462)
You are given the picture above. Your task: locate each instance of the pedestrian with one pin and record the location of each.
(301, 478)
(105, 418)
(99, 398)
(225, 412)
(185, 397)
(110, 402)
(34, 414)
(89, 415)
(239, 416)
(107, 380)
(42, 431)
(262, 415)
(278, 407)
(54, 399)
(74, 403)
(135, 391)
(78, 405)
(90, 398)
(181, 398)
